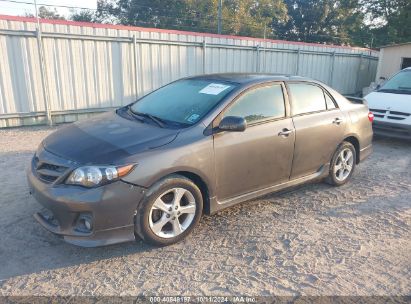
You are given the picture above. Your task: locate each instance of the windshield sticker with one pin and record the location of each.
(214, 89)
(193, 118)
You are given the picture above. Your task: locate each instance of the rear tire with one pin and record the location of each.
(342, 164)
(169, 212)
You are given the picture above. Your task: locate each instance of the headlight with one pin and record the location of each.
(94, 176)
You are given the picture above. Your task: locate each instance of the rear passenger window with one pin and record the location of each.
(306, 98)
(259, 104)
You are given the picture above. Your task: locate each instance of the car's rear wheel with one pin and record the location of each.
(342, 164)
(169, 212)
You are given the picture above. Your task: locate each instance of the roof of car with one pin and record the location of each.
(247, 78)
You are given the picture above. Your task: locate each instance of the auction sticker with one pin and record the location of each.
(214, 89)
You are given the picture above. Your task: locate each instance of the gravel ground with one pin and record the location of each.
(313, 240)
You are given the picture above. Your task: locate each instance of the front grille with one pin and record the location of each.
(378, 111)
(394, 115)
(52, 167)
(400, 113)
(48, 172)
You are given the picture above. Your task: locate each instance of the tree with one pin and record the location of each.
(46, 13)
(83, 16)
(253, 17)
(150, 13)
(240, 17)
(389, 20)
(349, 22)
(326, 21)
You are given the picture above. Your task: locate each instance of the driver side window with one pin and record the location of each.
(262, 103)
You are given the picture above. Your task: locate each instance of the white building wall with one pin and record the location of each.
(391, 60)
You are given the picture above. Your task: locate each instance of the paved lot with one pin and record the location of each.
(314, 240)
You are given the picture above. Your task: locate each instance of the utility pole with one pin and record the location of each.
(43, 69)
(265, 44)
(220, 16)
(37, 16)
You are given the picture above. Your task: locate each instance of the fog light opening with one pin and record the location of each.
(84, 223)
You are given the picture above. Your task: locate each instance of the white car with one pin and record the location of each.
(391, 106)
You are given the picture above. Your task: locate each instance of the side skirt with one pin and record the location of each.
(216, 205)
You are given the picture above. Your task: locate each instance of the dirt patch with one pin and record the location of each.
(314, 240)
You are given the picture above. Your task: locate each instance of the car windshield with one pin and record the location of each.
(183, 102)
(400, 83)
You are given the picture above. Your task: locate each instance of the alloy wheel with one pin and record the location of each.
(344, 164)
(172, 212)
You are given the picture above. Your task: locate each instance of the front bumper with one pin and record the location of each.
(110, 207)
(390, 129)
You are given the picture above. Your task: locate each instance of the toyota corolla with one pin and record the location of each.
(195, 146)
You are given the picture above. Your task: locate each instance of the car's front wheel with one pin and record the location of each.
(342, 164)
(170, 211)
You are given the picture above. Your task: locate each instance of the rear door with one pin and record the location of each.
(319, 126)
(261, 155)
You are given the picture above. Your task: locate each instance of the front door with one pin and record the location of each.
(260, 156)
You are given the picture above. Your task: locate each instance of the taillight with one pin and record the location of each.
(370, 116)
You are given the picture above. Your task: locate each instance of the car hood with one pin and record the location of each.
(106, 139)
(389, 101)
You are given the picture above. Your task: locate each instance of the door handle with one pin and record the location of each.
(285, 132)
(337, 121)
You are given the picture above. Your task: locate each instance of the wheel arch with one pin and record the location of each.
(197, 180)
(356, 143)
(201, 184)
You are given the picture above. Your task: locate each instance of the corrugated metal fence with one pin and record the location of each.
(92, 67)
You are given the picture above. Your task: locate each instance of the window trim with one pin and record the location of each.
(403, 59)
(287, 109)
(312, 112)
(332, 100)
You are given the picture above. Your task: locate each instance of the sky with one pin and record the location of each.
(20, 9)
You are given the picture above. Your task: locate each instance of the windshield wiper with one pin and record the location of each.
(157, 120)
(134, 115)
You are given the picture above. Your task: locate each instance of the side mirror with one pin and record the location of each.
(233, 124)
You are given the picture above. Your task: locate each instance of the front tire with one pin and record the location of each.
(169, 212)
(342, 164)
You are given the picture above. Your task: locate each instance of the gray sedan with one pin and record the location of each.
(198, 145)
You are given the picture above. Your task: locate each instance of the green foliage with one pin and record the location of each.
(390, 20)
(325, 21)
(245, 17)
(47, 13)
(174, 14)
(351, 22)
(253, 17)
(83, 16)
